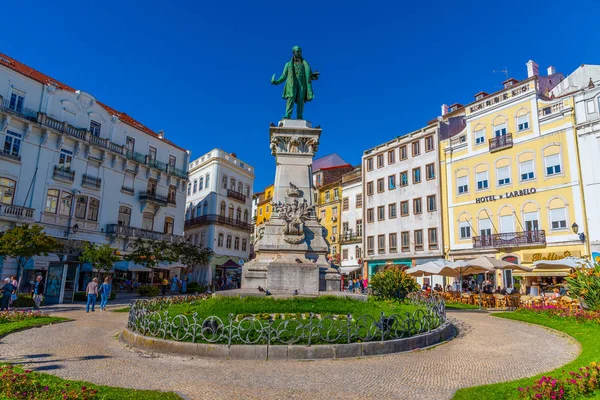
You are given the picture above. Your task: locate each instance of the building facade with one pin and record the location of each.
(218, 207)
(83, 171)
(263, 205)
(402, 211)
(352, 222)
(512, 186)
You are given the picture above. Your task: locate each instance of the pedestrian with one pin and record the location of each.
(165, 286)
(366, 283)
(105, 290)
(13, 296)
(38, 292)
(7, 291)
(184, 286)
(350, 285)
(92, 294)
(174, 284)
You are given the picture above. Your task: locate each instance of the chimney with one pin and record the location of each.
(532, 69)
(161, 134)
(444, 109)
(551, 70)
(233, 155)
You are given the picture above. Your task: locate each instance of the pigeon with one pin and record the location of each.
(296, 292)
(261, 289)
(267, 293)
(299, 261)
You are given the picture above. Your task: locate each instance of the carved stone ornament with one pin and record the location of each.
(84, 101)
(293, 191)
(294, 214)
(293, 145)
(259, 234)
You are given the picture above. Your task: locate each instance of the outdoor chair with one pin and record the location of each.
(500, 300)
(525, 301)
(537, 301)
(466, 298)
(514, 300)
(487, 300)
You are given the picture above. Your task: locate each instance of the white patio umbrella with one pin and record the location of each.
(466, 267)
(493, 263)
(568, 262)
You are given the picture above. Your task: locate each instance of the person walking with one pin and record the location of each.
(174, 284)
(105, 290)
(165, 286)
(350, 285)
(7, 291)
(92, 294)
(38, 292)
(13, 296)
(184, 286)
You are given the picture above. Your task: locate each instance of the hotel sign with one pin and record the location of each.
(507, 195)
(500, 98)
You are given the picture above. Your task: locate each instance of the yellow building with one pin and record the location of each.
(510, 177)
(263, 205)
(329, 207)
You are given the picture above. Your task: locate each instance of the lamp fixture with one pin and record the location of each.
(575, 227)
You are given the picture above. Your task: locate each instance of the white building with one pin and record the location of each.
(85, 172)
(402, 211)
(352, 222)
(218, 213)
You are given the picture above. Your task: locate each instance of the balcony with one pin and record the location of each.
(91, 181)
(152, 197)
(510, 240)
(501, 142)
(127, 189)
(350, 237)
(236, 195)
(20, 111)
(17, 213)
(131, 232)
(64, 173)
(10, 155)
(218, 219)
(172, 200)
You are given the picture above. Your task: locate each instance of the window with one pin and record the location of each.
(404, 178)
(168, 228)
(345, 227)
(531, 221)
(236, 243)
(418, 239)
(93, 209)
(51, 201)
(431, 203)
(430, 171)
(230, 214)
(240, 187)
(380, 185)
(357, 252)
(336, 194)
(16, 102)
(432, 238)
(480, 136)
(503, 175)
(405, 238)
(379, 160)
(417, 206)
(558, 217)
(238, 215)
(202, 238)
(429, 146)
(482, 180)
(172, 194)
(590, 107)
(172, 161)
(246, 216)
(189, 191)
(344, 254)
(393, 241)
(403, 153)
(333, 251)
(148, 221)
(151, 186)
(381, 244)
(527, 171)
(327, 196)
(66, 202)
(463, 184)
(244, 244)
(380, 213)
(195, 239)
(81, 207)
(201, 183)
(391, 182)
(507, 223)
(124, 218)
(523, 122)
(232, 184)
(334, 212)
(334, 231)
(7, 190)
(359, 200)
(404, 208)
(224, 182)
(247, 190)
(392, 210)
(130, 143)
(465, 230)
(345, 204)
(267, 208)
(552, 164)
(152, 153)
(220, 240)
(359, 227)
(95, 128)
(222, 209)
(369, 164)
(319, 179)
(500, 130)
(416, 148)
(228, 241)
(370, 245)
(370, 215)
(391, 156)
(322, 213)
(65, 158)
(417, 175)
(12, 143)
(260, 211)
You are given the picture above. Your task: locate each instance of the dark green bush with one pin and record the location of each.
(148, 291)
(24, 300)
(195, 287)
(392, 282)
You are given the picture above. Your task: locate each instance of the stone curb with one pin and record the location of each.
(289, 352)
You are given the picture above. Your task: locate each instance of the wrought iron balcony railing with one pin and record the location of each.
(236, 195)
(501, 142)
(20, 111)
(16, 212)
(510, 239)
(127, 189)
(91, 181)
(349, 237)
(64, 173)
(129, 231)
(218, 219)
(10, 155)
(153, 197)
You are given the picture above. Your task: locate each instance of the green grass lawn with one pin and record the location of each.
(586, 333)
(461, 306)
(121, 310)
(9, 327)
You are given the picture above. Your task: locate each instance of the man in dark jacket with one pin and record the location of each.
(38, 292)
(7, 290)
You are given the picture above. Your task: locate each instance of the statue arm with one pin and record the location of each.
(282, 78)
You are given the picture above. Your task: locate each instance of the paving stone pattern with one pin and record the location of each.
(487, 350)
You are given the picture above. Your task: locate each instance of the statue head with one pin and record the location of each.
(297, 50)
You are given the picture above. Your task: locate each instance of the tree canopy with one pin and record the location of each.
(101, 257)
(151, 253)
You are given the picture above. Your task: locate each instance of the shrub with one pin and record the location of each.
(148, 291)
(195, 287)
(392, 282)
(24, 300)
(585, 284)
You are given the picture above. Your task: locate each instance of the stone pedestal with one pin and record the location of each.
(290, 248)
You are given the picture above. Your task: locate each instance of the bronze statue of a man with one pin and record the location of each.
(298, 79)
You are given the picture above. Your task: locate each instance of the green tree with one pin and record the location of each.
(151, 253)
(23, 242)
(192, 256)
(392, 282)
(101, 257)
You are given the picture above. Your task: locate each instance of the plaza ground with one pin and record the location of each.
(486, 350)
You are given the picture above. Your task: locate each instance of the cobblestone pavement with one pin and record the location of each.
(486, 350)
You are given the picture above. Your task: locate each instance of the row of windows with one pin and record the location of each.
(357, 253)
(415, 147)
(391, 180)
(348, 232)
(404, 209)
(405, 245)
(236, 242)
(61, 202)
(500, 127)
(201, 209)
(199, 184)
(232, 186)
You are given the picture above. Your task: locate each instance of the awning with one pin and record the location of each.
(41, 261)
(87, 267)
(170, 266)
(347, 270)
(130, 266)
(229, 264)
(538, 272)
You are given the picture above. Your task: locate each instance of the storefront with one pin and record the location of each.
(378, 265)
(229, 274)
(544, 279)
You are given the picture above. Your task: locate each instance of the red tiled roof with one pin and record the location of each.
(29, 72)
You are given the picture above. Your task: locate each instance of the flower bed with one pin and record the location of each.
(564, 312)
(23, 384)
(574, 385)
(15, 316)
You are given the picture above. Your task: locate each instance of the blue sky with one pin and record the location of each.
(201, 70)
